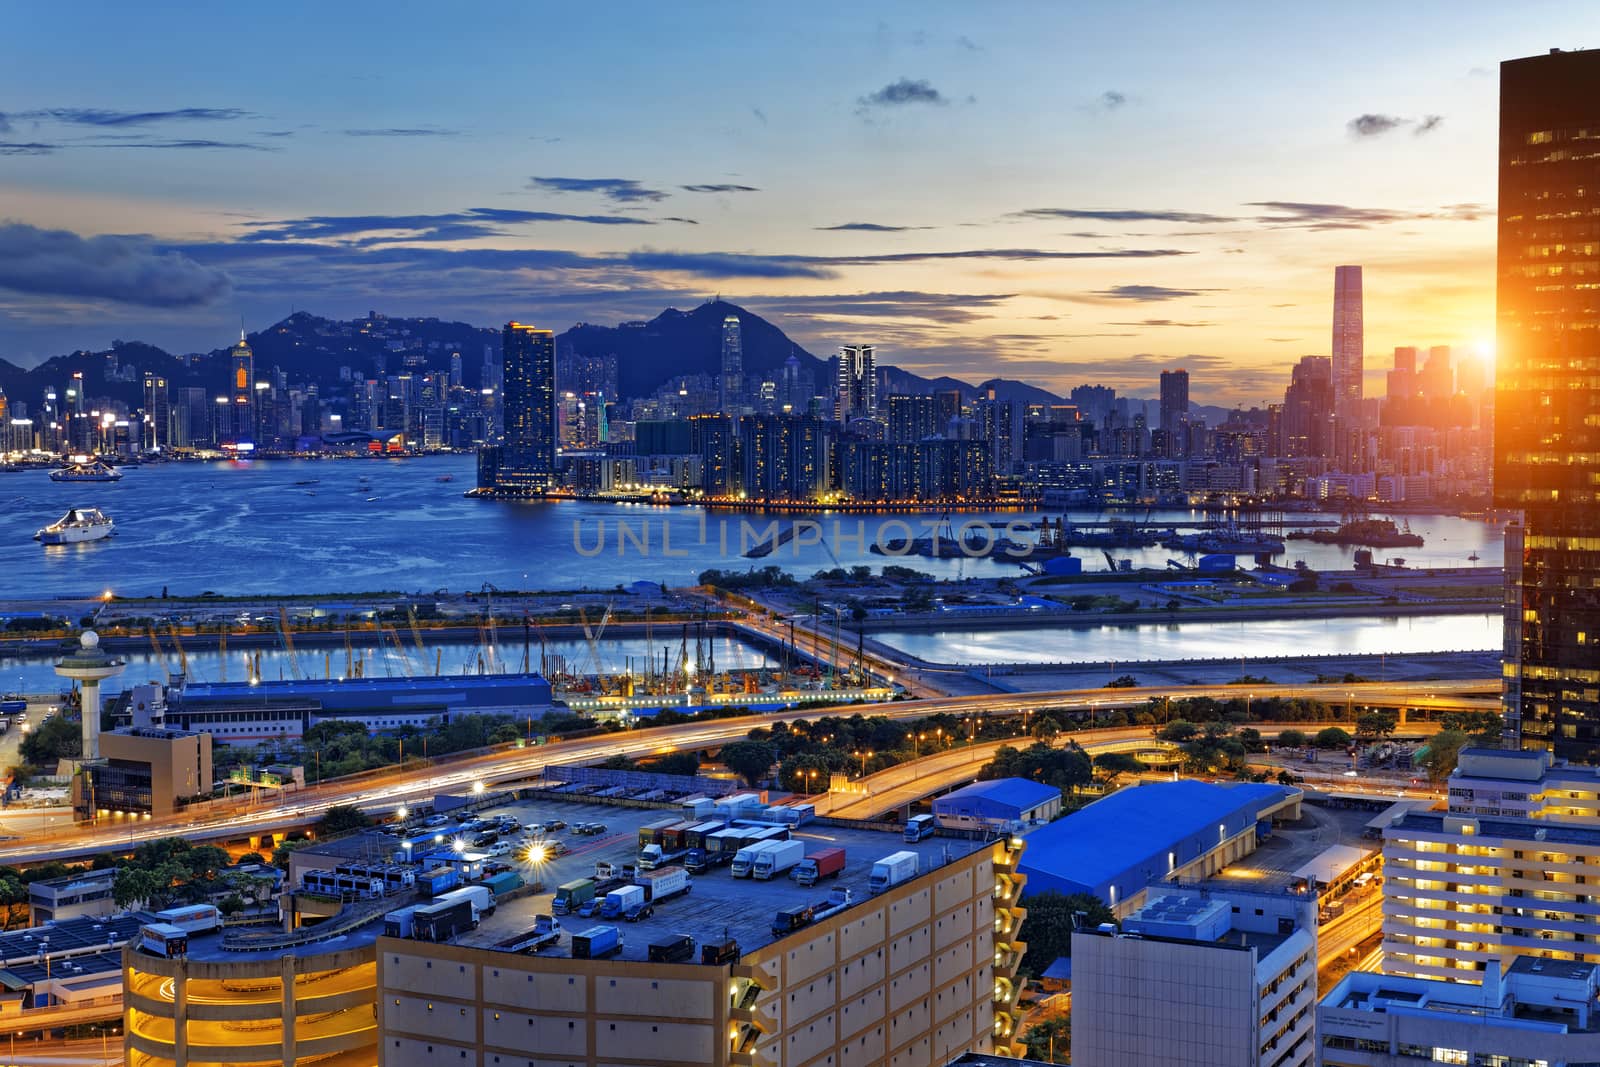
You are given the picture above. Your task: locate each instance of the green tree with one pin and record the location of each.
(1444, 748)
(57, 738)
(1292, 739)
(1112, 765)
(1050, 922)
(1178, 731)
(750, 760)
(133, 886)
(342, 818)
(1332, 737)
(1123, 681)
(1050, 1040)
(1376, 724)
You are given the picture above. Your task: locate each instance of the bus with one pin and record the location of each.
(919, 827)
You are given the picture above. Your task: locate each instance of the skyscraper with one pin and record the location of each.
(1547, 408)
(525, 461)
(730, 396)
(1348, 345)
(242, 392)
(156, 426)
(1175, 411)
(1308, 409)
(858, 383)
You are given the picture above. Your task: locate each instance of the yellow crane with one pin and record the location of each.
(399, 646)
(288, 642)
(183, 657)
(161, 660)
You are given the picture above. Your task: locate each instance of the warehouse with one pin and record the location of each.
(1003, 804)
(1115, 847)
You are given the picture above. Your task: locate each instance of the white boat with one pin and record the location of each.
(79, 524)
(92, 471)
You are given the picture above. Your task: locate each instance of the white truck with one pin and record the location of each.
(399, 923)
(481, 896)
(777, 858)
(893, 869)
(744, 861)
(620, 901)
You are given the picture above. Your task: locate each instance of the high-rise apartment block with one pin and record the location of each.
(858, 384)
(1175, 411)
(525, 460)
(1349, 345)
(1547, 407)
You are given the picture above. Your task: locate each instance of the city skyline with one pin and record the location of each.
(949, 262)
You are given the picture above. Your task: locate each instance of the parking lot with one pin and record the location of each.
(718, 906)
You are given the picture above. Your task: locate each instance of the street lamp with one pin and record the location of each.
(811, 783)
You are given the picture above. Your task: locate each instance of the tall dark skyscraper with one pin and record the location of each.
(242, 392)
(858, 383)
(1547, 406)
(1175, 411)
(525, 460)
(1307, 427)
(1349, 361)
(730, 397)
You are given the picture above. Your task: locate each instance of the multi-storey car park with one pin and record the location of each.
(744, 971)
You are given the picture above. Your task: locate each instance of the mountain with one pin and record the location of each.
(677, 343)
(313, 348)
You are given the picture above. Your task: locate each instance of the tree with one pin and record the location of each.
(750, 760)
(1376, 724)
(1292, 739)
(1285, 778)
(1113, 765)
(1443, 749)
(341, 819)
(1049, 1040)
(57, 738)
(1049, 925)
(1123, 681)
(1178, 731)
(1332, 737)
(681, 763)
(132, 886)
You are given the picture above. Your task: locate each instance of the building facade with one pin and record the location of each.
(912, 978)
(1349, 345)
(525, 460)
(1547, 405)
(1199, 979)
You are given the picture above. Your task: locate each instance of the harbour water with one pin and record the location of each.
(1203, 640)
(308, 526)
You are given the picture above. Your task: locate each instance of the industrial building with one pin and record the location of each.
(1197, 978)
(64, 973)
(914, 975)
(1114, 848)
(1003, 804)
(1539, 1012)
(80, 894)
(247, 713)
(1463, 892)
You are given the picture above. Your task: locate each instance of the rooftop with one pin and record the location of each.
(68, 936)
(1538, 830)
(1552, 968)
(719, 905)
(315, 687)
(1016, 792)
(1134, 825)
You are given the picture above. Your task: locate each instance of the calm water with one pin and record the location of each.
(33, 673)
(1203, 640)
(248, 528)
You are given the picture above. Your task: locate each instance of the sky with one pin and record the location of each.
(1059, 192)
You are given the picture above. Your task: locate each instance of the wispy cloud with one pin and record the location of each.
(1123, 215)
(904, 91)
(1137, 294)
(1160, 322)
(128, 270)
(872, 227)
(403, 131)
(459, 225)
(622, 190)
(1371, 124)
(719, 188)
(1016, 254)
(27, 148)
(1299, 215)
(94, 116)
(1112, 99)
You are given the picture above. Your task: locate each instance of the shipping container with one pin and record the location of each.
(672, 948)
(571, 895)
(595, 942)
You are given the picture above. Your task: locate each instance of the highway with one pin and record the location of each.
(515, 765)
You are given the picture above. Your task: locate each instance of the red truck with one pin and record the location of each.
(823, 863)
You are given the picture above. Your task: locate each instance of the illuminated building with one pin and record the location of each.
(1547, 433)
(913, 419)
(858, 383)
(1348, 344)
(525, 460)
(157, 422)
(1175, 411)
(242, 393)
(730, 397)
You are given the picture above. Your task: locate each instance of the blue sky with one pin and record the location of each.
(1059, 192)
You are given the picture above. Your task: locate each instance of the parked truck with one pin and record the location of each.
(164, 939)
(893, 869)
(716, 849)
(744, 861)
(696, 835)
(572, 895)
(650, 833)
(399, 923)
(438, 880)
(193, 918)
(664, 884)
(788, 920)
(546, 931)
(823, 863)
(482, 900)
(779, 857)
(443, 919)
(619, 900)
(596, 942)
(671, 948)
(919, 827)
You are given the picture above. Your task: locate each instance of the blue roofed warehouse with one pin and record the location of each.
(1001, 804)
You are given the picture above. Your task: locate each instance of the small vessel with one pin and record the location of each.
(1474, 557)
(92, 471)
(79, 524)
(445, 478)
(308, 481)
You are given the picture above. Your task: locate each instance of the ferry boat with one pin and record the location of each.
(79, 524)
(92, 471)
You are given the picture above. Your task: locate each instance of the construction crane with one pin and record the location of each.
(288, 643)
(183, 657)
(399, 646)
(222, 653)
(416, 631)
(161, 660)
(592, 636)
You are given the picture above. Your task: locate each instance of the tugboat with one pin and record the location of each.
(92, 471)
(79, 524)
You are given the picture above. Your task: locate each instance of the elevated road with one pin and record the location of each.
(302, 808)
